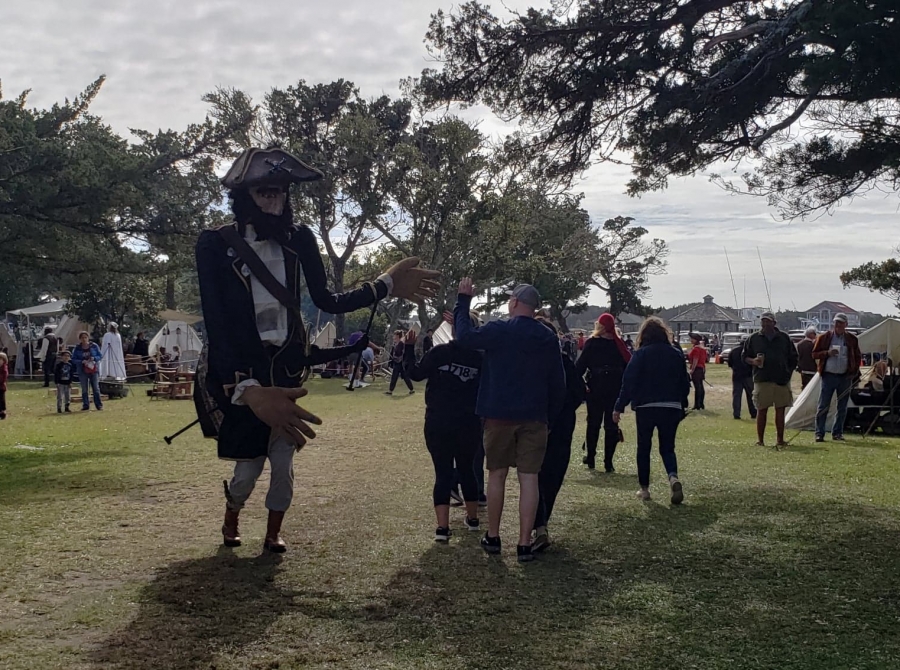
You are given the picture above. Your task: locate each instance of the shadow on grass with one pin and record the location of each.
(197, 608)
(756, 574)
(53, 474)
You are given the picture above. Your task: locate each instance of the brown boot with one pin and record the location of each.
(230, 534)
(273, 542)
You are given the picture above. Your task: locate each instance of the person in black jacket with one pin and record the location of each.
(398, 364)
(258, 355)
(603, 359)
(656, 385)
(452, 429)
(559, 450)
(741, 380)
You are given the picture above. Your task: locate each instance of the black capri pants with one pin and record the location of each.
(451, 441)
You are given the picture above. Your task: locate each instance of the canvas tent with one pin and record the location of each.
(181, 334)
(68, 329)
(443, 334)
(46, 310)
(883, 338)
(326, 336)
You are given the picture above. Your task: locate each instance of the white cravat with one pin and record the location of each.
(271, 315)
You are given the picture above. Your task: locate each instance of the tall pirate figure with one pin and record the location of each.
(259, 352)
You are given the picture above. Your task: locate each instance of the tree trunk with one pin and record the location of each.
(559, 315)
(170, 291)
(338, 268)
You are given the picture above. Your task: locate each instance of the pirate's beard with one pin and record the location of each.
(267, 226)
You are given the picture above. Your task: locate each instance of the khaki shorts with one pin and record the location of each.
(770, 394)
(515, 445)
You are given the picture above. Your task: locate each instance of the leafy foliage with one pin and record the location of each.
(883, 278)
(683, 84)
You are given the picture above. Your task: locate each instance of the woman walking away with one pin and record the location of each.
(603, 359)
(397, 369)
(559, 450)
(656, 385)
(697, 358)
(86, 358)
(452, 429)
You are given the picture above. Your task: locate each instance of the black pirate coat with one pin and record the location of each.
(236, 351)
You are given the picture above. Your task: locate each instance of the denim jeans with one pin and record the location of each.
(94, 382)
(665, 421)
(740, 388)
(831, 384)
(63, 396)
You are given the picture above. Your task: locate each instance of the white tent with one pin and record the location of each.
(443, 334)
(68, 329)
(802, 416)
(883, 338)
(177, 333)
(43, 311)
(326, 336)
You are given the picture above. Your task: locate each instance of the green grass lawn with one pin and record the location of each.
(110, 551)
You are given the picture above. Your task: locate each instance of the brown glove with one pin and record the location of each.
(412, 282)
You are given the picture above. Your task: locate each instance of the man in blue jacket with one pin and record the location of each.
(522, 390)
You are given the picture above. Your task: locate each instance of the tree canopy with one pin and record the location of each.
(807, 89)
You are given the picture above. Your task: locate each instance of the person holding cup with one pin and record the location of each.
(837, 355)
(773, 357)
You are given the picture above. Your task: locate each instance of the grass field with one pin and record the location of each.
(110, 552)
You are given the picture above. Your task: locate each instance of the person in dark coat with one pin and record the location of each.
(603, 360)
(452, 428)
(399, 364)
(559, 450)
(656, 385)
(258, 353)
(741, 380)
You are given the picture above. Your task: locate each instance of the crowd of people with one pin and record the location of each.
(484, 408)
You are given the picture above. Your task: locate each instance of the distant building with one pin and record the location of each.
(706, 317)
(823, 313)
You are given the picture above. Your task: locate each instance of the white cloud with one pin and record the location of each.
(161, 56)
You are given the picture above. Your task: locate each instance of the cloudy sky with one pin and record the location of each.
(160, 56)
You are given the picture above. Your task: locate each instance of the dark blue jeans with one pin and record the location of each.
(94, 382)
(832, 384)
(665, 421)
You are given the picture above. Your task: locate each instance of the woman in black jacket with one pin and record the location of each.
(452, 429)
(603, 359)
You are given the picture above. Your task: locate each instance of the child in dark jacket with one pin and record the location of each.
(656, 385)
(62, 376)
(559, 449)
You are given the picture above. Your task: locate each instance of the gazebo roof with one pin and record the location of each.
(706, 312)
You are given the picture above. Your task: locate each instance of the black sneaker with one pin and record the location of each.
(472, 524)
(411, 392)
(59, 410)
(85, 409)
(588, 462)
(820, 438)
(490, 544)
(442, 534)
(838, 438)
(524, 553)
(68, 410)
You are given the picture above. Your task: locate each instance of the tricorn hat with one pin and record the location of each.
(268, 167)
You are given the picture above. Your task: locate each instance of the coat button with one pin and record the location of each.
(245, 271)
(230, 252)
